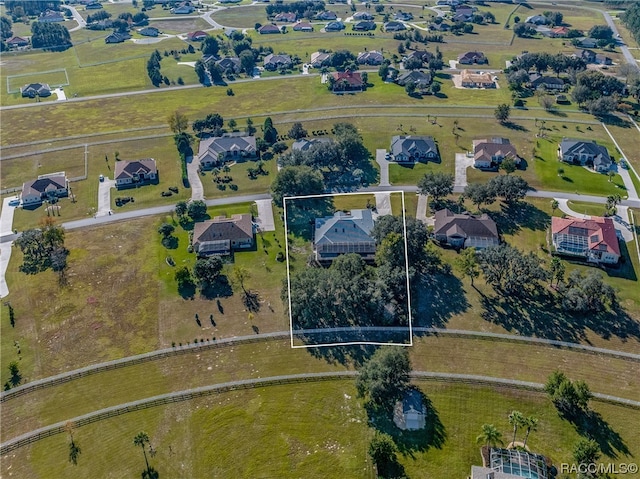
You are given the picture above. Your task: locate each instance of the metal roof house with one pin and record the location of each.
(344, 233)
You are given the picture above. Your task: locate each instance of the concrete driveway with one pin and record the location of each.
(6, 217)
(462, 163)
(383, 203)
(384, 167)
(265, 215)
(104, 196)
(6, 225)
(197, 191)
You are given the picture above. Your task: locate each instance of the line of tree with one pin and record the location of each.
(307, 8)
(631, 19)
(211, 124)
(153, 68)
(50, 36)
(5, 28)
(99, 15)
(31, 8)
(541, 62)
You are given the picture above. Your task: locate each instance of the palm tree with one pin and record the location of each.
(490, 436)
(531, 423)
(554, 206)
(142, 439)
(516, 419)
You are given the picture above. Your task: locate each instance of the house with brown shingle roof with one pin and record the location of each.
(469, 58)
(221, 235)
(269, 28)
(197, 36)
(469, 79)
(465, 230)
(54, 185)
(17, 42)
(346, 82)
(129, 174)
(593, 239)
(489, 153)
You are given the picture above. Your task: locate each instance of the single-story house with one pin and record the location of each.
(461, 17)
(559, 32)
(17, 42)
(439, 27)
(489, 153)
(371, 57)
(465, 230)
(589, 56)
(364, 26)
(419, 78)
(303, 27)
(548, 82)
(135, 173)
(305, 144)
(585, 153)
(347, 81)
(537, 20)
(320, 59)
(403, 16)
(275, 61)
(117, 37)
(268, 28)
(394, 26)
(93, 6)
(362, 16)
(215, 151)
(586, 42)
(46, 187)
(327, 15)
(184, 8)
(603, 59)
(410, 413)
(466, 10)
(35, 89)
(423, 55)
(149, 32)
(344, 233)
(288, 17)
(221, 235)
(230, 64)
(410, 149)
(594, 239)
(468, 79)
(51, 16)
(197, 36)
(469, 58)
(334, 26)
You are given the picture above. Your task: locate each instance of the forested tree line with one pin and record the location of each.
(306, 9)
(31, 7)
(631, 19)
(50, 36)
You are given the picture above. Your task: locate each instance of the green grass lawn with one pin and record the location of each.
(245, 185)
(264, 433)
(585, 208)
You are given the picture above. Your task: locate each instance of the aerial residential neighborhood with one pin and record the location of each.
(320, 239)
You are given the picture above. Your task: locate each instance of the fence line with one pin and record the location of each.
(189, 394)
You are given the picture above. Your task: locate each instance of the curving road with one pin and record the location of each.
(77, 17)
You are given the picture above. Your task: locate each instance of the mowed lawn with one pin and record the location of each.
(309, 430)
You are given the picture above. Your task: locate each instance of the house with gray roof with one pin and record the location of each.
(410, 149)
(230, 64)
(275, 61)
(51, 16)
(222, 235)
(305, 144)
(371, 57)
(320, 59)
(420, 79)
(465, 230)
(394, 26)
(537, 20)
(335, 26)
(585, 153)
(403, 16)
(342, 233)
(215, 151)
(362, 16)
(35, 89)
(364, 26)
(130, 174)
(45, 187)
(547, 82)
(327, 15)
(149, 32)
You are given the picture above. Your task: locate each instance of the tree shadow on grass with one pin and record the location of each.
(150, 473)
(251, 301)
(409, 442)
(512, 218)
(432, 300)
(541, 316)
(221, 288)
(514, 126)
(187, 290)
(625, 268)
(592, 425)
(354, 354)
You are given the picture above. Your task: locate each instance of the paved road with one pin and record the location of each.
(77, 17)
(624, 174)
(6, 225)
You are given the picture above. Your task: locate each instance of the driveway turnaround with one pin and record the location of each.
(265, 215)
(104, 197)
(384, 167)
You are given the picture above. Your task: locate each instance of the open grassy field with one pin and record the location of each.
(278, 437)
